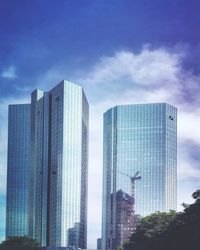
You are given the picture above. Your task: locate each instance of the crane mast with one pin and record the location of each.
(132, 187)
(133, 179)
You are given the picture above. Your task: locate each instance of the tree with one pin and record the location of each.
(151, 227)
(169, 231)
(19, 243)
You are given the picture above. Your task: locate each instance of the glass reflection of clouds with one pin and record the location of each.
(140, 137)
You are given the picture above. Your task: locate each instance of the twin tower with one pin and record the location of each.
(47, 172)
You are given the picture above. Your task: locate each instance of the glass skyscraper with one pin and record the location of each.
(39, 167)
(139, 137)
(58, 166)
(68, 166)
(17, 207)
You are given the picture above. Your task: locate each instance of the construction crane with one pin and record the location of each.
(133, 179)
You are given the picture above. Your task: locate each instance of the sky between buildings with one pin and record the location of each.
(120, 51)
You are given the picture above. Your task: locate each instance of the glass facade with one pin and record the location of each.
(59, 166)
(69, 166)
(39, 166)
(140, 137)
(17, 208)
(48, 167)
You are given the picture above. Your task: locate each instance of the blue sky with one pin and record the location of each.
(120, 51)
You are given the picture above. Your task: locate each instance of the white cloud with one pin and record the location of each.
(149, 68)
(187, 171)
(149, 76)
(9, 73)
(189, 124)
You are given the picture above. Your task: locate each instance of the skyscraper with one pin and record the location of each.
(17, 206)
(58, 166)
(68, 166)
(140, 137)
(39, 167)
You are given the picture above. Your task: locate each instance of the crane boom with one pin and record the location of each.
(132, 179)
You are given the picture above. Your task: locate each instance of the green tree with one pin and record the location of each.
(151, 227)
(169, 231)
(19, 243)
(184, 232)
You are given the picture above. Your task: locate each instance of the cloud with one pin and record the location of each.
(189, 121)
(152, 75)
(9, 73)
(150, 67)
(147, 77)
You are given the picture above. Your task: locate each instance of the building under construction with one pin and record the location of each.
(124, 221)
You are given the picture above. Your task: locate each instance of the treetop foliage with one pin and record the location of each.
(169, 231)
(19, 243)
